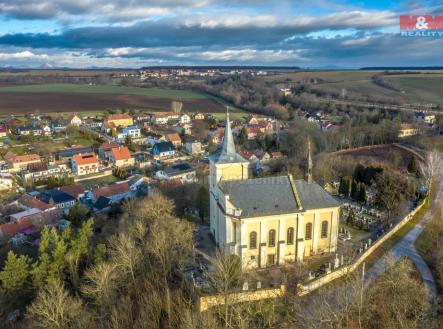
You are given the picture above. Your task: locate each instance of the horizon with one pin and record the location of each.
(346, 34)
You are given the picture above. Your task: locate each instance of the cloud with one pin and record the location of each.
(25, 54)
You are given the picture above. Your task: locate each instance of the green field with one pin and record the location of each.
(422, 87)
(105, 89)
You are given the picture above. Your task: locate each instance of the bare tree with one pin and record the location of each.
(431, 168)
(55, 308)
(176, 107)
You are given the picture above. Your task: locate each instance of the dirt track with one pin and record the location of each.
(22, 103)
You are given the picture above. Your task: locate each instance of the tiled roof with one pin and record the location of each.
(108, 146)
(117, 117)
(57, 196)
(31, 202)
(22, 158)
(173, 137)
(121, 153)
(109, 190)
(74, 150)
(85, 158)
(74, 190)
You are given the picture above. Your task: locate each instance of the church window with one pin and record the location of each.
(253, 240)
(308, 231)
(290, 236)
(324, 229)
(271, 238)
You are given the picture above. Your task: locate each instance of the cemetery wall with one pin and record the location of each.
(304, 289)
(206, 302)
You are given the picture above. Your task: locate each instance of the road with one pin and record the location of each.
(406, 248)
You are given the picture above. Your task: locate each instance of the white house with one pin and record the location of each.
(75, 120)
(184, 118)
(6, 181)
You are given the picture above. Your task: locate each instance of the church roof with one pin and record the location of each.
(313, 196)
(261, 196)
(275, 195)
(227, 154)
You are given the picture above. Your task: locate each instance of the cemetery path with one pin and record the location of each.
(406, 248)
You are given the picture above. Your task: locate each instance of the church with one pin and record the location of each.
(268, 221)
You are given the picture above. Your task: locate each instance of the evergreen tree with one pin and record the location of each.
(413, 166)
(203, 202)
(361, 193)
(16, 273)
(354, 189)
(78, 213)
(243, 136)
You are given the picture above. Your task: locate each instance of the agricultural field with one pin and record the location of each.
(422, 87)
(50, 98)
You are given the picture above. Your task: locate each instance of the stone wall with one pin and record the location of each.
(304, 289)
(206, 302)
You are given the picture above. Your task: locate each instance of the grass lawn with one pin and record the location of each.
(91, 183)
(106, 89)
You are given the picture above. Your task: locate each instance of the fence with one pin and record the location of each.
(304, 289)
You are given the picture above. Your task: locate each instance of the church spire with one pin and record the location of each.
(228, 147)
(309, 173)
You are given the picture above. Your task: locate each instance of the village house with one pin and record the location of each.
(425, 118)
(193, 147)
(66, 155)
(3, 130)
(84, 164)
(184, 118)
(59, 126)
(42, 170)
(27, 201)
(17, 163)
(60, 199)
(198, 116)
(407, 130)
(162, 119)
(104, 151)
(121, 157)
(35, 130)
(6, 181)
(30, 224)
(103, 197)
(118, 120)
(163, 150)
(181, 171)
(175, 139)
(75, 120)
(75, 190)
(131, 131)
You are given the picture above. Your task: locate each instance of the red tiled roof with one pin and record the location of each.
(121, 153)
(31, 202)
(73, 190)
(109, 190)
(108, 146)
(173, 137)
(85, 158)
(117, 117)
(14, 158)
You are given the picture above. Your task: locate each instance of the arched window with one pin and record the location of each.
(253, 240)
(271, 239)
(290, 236)
(308, 231)
(324, 229)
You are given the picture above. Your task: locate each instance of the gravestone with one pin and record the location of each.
(336, 262)
(245, 286)
(258, 284)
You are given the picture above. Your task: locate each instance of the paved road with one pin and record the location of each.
(406, 248)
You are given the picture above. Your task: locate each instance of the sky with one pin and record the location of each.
(137, 33)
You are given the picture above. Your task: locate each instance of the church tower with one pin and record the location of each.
(224, 165)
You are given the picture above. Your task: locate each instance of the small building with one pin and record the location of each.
(35, 130)
(77, 191)
(114, 192)
(121, 157)
(131, 131)
(105, 149)
(407, 130)
(60, 199)
(182, 171)
(118, 120)
(184, 118)
(59, 126)
(199, 116)
(175, 139)
(6, 181)
(75, 120)
(163, 150)
(3, 130)
(193, 147)
(66, 155)
(20, 162)
(41, 170)
(84, 164)
(423, 117)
